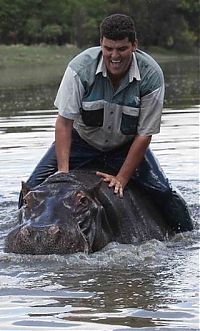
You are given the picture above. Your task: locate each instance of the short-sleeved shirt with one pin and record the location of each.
(106, 118)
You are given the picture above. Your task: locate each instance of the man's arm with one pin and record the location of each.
(131, 163)
(63, 132)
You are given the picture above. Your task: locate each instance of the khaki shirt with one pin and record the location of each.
(104, 117)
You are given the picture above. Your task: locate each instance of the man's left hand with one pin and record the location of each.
(114, 181)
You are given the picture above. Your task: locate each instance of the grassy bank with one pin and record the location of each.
(17, 55)
(164, 55)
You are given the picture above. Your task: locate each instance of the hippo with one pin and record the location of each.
(78, 212)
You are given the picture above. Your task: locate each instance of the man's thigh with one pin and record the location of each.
(82, 154)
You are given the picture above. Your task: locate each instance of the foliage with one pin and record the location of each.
(51, 33)
(171, 24)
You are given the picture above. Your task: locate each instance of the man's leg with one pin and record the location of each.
(168, 199)
(81, 155)
(151, 176)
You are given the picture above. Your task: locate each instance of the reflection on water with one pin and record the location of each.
(36, 87)
(153, 286)
(182, 83)
(157, 288)
(28, 89)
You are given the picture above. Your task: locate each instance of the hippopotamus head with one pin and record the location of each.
(60, 216)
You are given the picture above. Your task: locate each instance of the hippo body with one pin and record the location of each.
(78, 212)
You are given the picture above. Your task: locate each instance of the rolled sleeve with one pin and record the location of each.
(69, 96)
(151, 112)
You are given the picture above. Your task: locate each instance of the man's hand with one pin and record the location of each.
(114, 181)
(131, 162)
(58, 172)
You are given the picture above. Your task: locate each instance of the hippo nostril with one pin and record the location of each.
(53, 230)
(24, 232)
(38, 238)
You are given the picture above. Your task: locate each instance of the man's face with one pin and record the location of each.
(117, 55)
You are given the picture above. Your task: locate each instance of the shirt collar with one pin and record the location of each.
(133, 71)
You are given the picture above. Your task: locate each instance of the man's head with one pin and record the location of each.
(118, 27)
(118, 42)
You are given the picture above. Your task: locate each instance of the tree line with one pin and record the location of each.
(172, 24)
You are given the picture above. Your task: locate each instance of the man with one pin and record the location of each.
(110, 104)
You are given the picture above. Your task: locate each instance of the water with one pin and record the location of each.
(153, 286)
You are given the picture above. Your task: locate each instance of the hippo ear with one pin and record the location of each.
(93, 190)
(25, 189)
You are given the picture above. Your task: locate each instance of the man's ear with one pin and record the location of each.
(135, 45)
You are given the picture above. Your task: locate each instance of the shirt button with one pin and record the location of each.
(111, 113)
(109, 127)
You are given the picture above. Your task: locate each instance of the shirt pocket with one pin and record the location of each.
(129, 121)
(92, 113)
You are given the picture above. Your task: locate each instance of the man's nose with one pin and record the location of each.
(115, 54)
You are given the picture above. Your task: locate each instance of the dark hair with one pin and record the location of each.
(117, 27)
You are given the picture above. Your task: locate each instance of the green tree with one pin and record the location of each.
(171, 23)
(32, 30)
(51, 33)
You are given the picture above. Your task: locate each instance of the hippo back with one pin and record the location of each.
(133, 218)
(77, 211)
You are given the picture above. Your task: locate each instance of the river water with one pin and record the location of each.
(153, 286)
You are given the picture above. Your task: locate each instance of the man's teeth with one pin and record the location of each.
(115, 61)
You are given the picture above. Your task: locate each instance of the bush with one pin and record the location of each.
(51, 33)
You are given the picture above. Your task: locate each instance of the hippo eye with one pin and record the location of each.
(32, 198)
(83, 200)
(26, 199)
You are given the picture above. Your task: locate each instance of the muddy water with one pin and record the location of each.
(153, 286)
